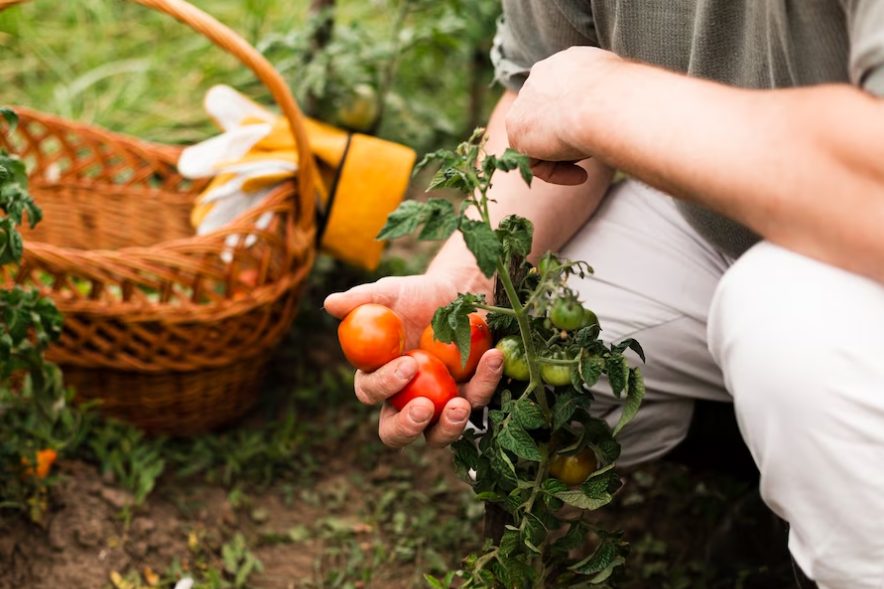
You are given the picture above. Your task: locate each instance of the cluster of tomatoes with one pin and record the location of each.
(566, 314)
(372, 335)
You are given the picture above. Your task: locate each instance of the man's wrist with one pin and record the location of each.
(585, 123)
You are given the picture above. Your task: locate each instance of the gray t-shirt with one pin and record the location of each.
(747, 43)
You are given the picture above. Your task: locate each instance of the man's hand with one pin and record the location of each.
(543, 122)
(415, 298)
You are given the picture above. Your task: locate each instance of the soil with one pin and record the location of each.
(86, 536)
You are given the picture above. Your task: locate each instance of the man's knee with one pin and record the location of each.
(799, 345)
(769, 331)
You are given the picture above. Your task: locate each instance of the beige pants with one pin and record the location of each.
(797, 345)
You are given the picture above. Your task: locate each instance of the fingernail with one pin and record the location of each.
(406, 370)
(457, 414)
(421, 413)
(495, 364)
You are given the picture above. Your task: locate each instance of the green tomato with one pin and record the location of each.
(359, 111)
(557, 375)
(548, 264)
(515, 365)
(567, 314)
(591, 321)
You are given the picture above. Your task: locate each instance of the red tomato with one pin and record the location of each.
(432, 381)
(480, 342)
(371, 335)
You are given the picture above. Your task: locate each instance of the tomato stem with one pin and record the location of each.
(527, 340)
(495, 309)
(558, 361)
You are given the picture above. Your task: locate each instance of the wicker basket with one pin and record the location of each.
(169, 330)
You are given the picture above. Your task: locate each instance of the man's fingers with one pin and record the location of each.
(397, 429)
(562, 173)
(451, 423)
(340, 303)
(389, 379)
(479, 389)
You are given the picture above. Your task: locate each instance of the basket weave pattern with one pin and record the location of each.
(168, 329)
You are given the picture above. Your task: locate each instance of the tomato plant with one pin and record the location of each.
(35, 416)
(460, 365)
(371, 335)
(432, 381)
(536, 427)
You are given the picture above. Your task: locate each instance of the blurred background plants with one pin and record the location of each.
(422, 64)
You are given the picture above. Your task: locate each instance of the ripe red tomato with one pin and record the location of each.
(431, 381)
(371, 335)
(573, 469)
(480, 342)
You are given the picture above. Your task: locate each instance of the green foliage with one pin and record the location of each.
(384, 77)
(529, 423)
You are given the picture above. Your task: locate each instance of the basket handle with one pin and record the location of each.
(230, 41)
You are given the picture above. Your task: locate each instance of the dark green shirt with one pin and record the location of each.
(747, 43)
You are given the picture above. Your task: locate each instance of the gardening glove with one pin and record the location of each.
(363, 178)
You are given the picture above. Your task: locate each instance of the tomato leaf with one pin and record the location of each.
(502, 324)
(631, 344)
(618, 373)
(603, 557)
(635, 392)
(519, 442)
(512, 159)
(533, 532)
(598, 434)
(516, 235)
(597, 491)
(528, 414)
(451, 323)
(483, 243)
(441, 220)
(564, 408)
(503, 467)
(404, 220)
(509, 542)
(437, 216)
(466, 456)
(590, 368)
(573, 539)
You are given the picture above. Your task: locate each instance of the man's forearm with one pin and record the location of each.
(801, 167)
(557, 212)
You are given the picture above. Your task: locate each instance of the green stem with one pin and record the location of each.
(527, 340)
(558, 361)
(494, 309)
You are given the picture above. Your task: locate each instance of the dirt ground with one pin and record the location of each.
(342, 531)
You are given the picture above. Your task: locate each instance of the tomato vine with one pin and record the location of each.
(530, 424)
